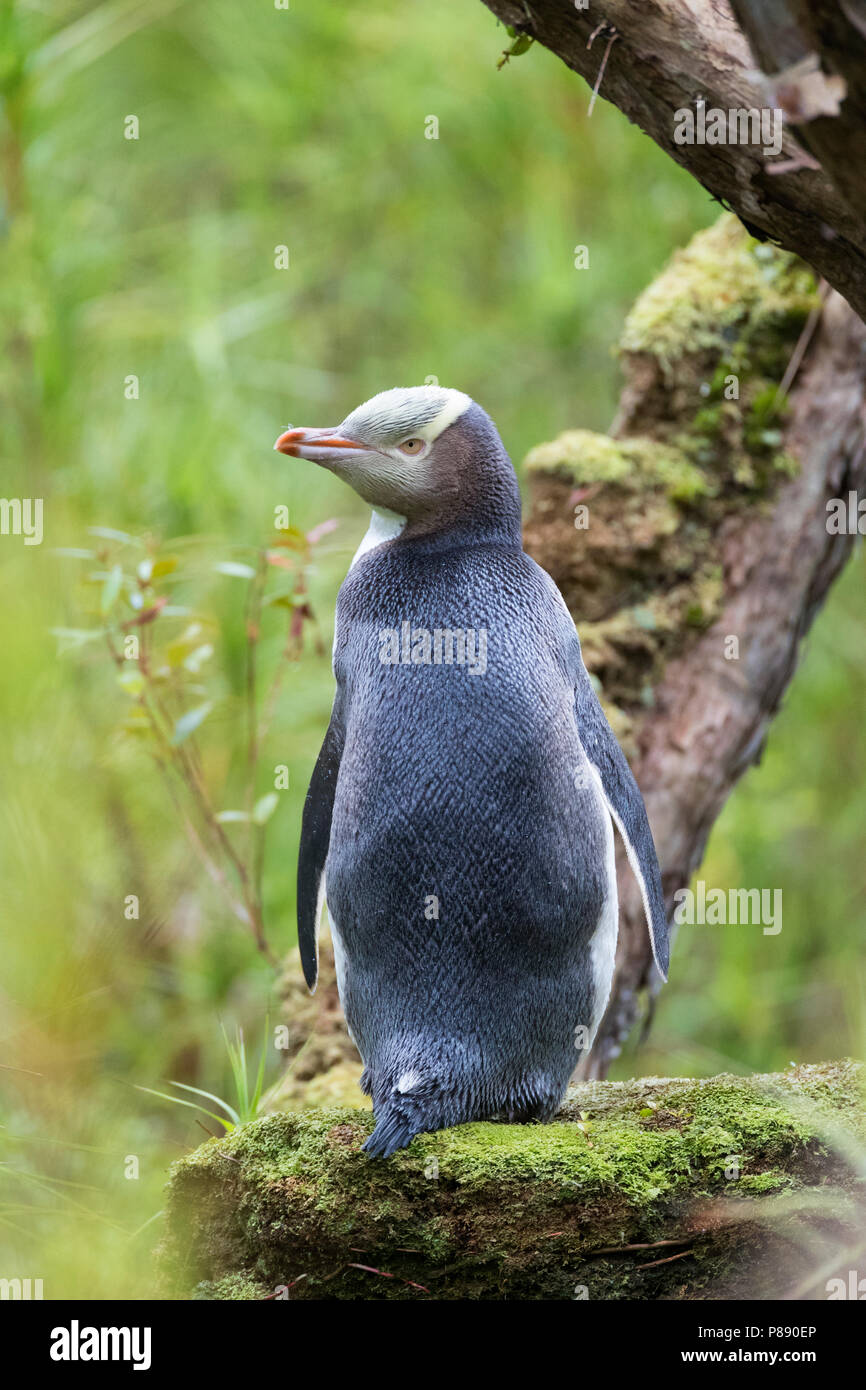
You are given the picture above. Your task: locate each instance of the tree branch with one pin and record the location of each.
(667, 56)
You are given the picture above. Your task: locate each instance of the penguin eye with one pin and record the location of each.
(411, 446)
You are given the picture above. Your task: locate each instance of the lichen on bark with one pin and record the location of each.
(722, 1169)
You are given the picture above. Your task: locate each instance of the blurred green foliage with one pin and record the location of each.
(155, 258)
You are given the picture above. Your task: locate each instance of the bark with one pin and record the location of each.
(668, 55)
(781, 35)
(723, 1188)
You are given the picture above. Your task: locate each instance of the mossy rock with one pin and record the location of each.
(728, 1170)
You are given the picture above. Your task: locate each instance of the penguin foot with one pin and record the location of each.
(418, 1104)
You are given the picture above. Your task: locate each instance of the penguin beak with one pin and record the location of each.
(317, 445)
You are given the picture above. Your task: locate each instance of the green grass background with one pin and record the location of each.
(409, 257)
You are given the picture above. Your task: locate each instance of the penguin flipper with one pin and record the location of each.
(315, 837)
(627, 809)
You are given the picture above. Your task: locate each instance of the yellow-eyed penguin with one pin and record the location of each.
(460, 808)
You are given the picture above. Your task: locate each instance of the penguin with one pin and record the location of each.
(460, 815)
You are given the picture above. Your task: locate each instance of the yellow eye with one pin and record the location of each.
(411, 446)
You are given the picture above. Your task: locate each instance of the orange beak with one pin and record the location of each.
(296, 442)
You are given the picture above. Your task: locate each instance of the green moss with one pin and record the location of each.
(724, 294)
(633, 464)
(700, 440)
(772, 1181)
(234, 1287)
(494, 1210)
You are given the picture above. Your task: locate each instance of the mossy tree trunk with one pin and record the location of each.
(694, 544)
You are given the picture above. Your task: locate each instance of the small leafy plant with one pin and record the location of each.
(162, 651)
(247, 1098)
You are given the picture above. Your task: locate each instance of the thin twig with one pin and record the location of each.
(651, 1245)
(275, 1294)
(801, 345)
(212, 868)
(653, 1263)
(253, 623)
(612, 38)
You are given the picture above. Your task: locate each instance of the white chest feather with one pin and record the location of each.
(384, 526)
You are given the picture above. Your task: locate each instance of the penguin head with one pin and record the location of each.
(425, 452)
